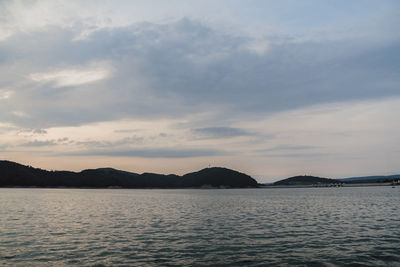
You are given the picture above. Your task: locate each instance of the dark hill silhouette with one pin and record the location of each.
(306, 180)
(14, 174)
(371, 179)
(218, 177)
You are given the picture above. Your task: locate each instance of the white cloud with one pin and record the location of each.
(72, 76)
(4, 34)
(27, 16)
(19, 113)
(259, 46)
(5, 94)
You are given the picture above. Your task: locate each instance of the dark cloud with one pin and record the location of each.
(183, 67)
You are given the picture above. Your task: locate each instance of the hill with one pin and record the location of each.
(371, 179)
(306, 180)
(218, 177)
(14, 174)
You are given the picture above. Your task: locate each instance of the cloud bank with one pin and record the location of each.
(208, 75)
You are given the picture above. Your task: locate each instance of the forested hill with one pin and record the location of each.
(306, 180)
(13, 174)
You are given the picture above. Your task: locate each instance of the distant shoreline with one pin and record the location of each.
(323, 186)
(204, 188)
(118, 188)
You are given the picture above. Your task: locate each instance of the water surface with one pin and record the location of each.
(251, 227)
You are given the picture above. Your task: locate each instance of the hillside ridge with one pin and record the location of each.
(15, 174)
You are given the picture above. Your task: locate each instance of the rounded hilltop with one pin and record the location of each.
(219, 177)
(306, 180)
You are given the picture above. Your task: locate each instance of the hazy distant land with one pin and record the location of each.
(306, 180)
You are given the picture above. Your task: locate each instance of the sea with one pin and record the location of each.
(357, 226)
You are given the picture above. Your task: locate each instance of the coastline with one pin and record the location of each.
(206, 188)
(326, 186)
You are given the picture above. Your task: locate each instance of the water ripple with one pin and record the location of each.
(249, 227)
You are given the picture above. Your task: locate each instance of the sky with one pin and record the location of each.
(269, 88)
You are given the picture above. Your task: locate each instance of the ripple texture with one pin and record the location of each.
(238, 227)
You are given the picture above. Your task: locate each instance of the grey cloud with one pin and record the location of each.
(4, 129)
(289, 147)
(300, 155)
(3, 147)
(130, 140)
(64, 140)
(292, 151)
(125, 131)
(121, 142)
(149, 153)
(39, 131)
(38, 143)
(52, 142)
(185, 67)
(32, 132)
(219, 132)
(92, 144)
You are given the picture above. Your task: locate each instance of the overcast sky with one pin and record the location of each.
(269, 88)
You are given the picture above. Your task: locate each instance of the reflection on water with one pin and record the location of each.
(313, 226)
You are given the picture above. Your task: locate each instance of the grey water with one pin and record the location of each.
(238, 227)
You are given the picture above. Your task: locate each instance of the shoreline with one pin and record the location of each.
(327, 186)
(206, 188)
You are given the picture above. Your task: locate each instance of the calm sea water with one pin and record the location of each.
(250, 227)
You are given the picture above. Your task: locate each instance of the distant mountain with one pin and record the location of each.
(370, 179)
(14, 174)
(309, 180)
(305, 180)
